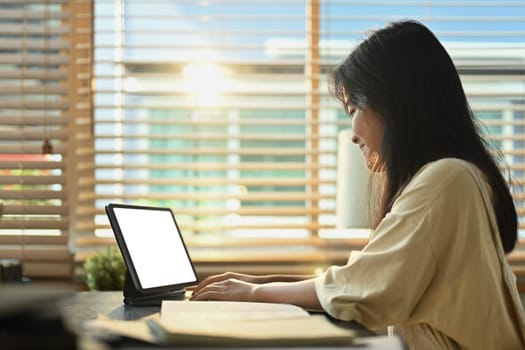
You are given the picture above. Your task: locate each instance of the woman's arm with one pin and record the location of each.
(258, 279)
(301, 293)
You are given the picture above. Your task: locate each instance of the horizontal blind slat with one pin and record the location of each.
(38, 105)
(61, 269)
(33, 224)
(29, 164)
(30, 149)
(33, 14)
(9, 211)
(32, 180)
(41, 90)
(13, 241)
(32, 194)
(19, 73)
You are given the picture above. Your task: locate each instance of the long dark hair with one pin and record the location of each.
(404, 74)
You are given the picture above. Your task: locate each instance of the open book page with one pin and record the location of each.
(175, 311)
(243, 323)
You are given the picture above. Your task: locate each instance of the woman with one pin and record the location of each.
(435, 264)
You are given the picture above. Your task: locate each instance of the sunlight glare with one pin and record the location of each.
(205, 81)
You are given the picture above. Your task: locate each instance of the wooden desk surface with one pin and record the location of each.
(84, 306)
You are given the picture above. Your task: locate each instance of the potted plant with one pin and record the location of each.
(105, 270)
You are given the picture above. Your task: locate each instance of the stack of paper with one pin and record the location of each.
(245, 323)
(220, 323)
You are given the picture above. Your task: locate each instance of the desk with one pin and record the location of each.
(84, 306)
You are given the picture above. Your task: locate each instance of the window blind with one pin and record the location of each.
(36, 108)
(219, 110)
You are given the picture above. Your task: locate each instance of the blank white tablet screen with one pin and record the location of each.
(155, 247)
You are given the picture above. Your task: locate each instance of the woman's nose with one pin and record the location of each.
(355, 139)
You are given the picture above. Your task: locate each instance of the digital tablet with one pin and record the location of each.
(152, 247)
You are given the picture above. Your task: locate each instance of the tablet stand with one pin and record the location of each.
(134, 297)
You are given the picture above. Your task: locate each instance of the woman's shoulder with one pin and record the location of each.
(447, 165)
(446, 175)
(440, 189)
(446, 169)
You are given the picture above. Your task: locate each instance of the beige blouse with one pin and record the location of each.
(434, 267)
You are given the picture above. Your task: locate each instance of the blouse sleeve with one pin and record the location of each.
(381, 285)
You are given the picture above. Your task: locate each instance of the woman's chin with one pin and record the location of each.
(374, 163)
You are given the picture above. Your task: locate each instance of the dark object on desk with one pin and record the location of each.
(157, 261)
(10, 270)
(30, 318)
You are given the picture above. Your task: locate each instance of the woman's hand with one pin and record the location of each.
(256, 279)
(222, 287)
(298, 290)
(225, 276)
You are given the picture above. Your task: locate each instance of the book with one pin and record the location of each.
(225, 323)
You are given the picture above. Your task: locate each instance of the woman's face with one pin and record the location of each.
(367, 130)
